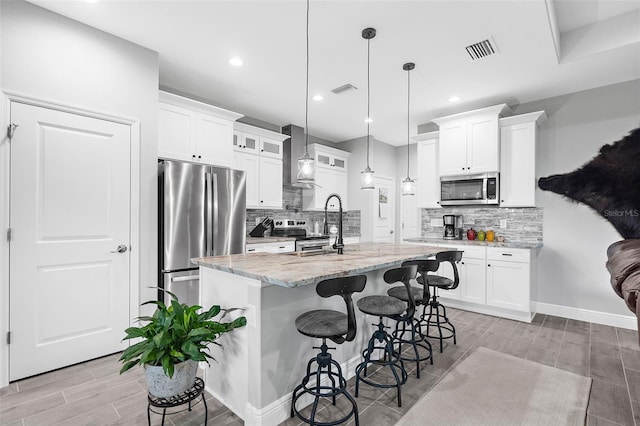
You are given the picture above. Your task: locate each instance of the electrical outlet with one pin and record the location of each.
(503, 223)
(258, 220)
(437, 223)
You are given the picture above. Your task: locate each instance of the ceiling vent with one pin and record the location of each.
(481, 49)
(344, 88)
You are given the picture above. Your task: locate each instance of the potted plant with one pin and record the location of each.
(174, 339)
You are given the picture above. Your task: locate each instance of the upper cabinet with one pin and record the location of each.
(427, 184)
(258, 152)
(469, 142)
(194, 131)
(518, 138)
(330, 177)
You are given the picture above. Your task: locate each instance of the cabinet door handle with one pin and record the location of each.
(468, 168)
(199, 157)
(463, 168)
(488, 264)
(193, 156)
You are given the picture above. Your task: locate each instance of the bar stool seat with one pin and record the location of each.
(322, 323)
(401, 294)
(437, 281)
(381, 306)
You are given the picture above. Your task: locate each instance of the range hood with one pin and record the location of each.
(292, 149)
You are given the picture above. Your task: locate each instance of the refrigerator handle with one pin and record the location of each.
(208, 232)
(214, 226)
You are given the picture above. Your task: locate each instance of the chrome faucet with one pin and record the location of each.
(339, 243)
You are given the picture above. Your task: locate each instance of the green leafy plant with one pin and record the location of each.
(176, 333)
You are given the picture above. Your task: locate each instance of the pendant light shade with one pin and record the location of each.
(306, 164)
(367, 174)
(407, 184)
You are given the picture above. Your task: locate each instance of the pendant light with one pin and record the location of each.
(407, 184)
(367, 175)
(306, 166)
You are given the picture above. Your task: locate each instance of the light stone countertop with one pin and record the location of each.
(465, 242)
(292, 270)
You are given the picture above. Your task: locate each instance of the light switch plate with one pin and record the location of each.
(503, 223)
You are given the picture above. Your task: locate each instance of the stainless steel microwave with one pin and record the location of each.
(470, 189)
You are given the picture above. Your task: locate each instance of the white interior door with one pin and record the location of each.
(70, 209)
(410, 217)
(384, 202)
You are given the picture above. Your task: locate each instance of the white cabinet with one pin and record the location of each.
(473, 276)
(493, 280)
(194, 131)
(518, 137)
(509, 276)
(258, 152)
(330, 176)
(427, 184)
(281, 247)
(471, 270)
(469, 142)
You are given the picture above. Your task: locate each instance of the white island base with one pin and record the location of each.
(263, 362)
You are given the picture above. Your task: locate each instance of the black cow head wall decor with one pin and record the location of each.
(609, 184)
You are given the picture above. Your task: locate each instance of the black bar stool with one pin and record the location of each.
(385, 307)
(437, 316)
(408, 329)
(338, 327)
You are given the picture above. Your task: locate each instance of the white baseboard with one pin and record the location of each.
(279, 410)
(614, 320)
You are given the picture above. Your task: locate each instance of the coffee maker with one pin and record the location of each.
(452, 227)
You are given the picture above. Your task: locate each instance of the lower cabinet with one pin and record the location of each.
(472, 275)
(493, 280)
(509, 276)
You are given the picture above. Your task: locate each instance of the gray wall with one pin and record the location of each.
(382, 160)
(572, 263)
(50, 57)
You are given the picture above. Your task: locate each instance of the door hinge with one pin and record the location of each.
(9, 232)
(8, 337)
(11, 129)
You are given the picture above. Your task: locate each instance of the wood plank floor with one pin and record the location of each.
(93, 393)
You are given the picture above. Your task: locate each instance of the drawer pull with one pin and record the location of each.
(251, 249)
(281, 247)
(507, 254)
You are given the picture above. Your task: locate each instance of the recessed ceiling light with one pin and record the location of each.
(236, 62)
(454, 99)
(368, 120)
(318, 98)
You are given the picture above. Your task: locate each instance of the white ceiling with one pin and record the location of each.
(195, 40)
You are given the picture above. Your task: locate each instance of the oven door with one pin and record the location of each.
(309, 245)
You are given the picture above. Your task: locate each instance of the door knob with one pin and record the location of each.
(121, 249)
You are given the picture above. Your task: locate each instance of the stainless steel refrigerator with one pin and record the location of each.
(201, 212)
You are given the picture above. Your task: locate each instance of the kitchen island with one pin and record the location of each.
(260, 364)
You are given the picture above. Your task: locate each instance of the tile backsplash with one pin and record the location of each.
(523, 225)
(292, 208)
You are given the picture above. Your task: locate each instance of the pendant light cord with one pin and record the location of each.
(368, 96)
(306, 104)
(408, 104)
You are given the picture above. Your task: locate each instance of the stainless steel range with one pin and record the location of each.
(298, 228)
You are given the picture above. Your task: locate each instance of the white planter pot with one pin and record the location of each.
(161, 386)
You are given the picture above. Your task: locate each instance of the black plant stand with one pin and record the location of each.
(197, 390)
